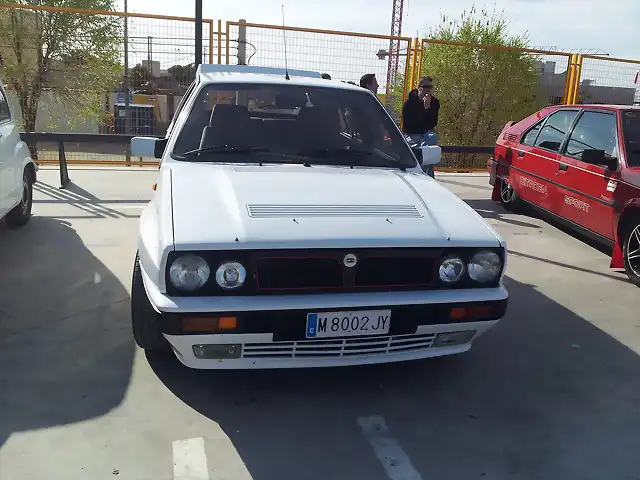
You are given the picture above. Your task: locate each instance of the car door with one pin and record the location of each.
(535, 162)
(587, 189)
(7, 158)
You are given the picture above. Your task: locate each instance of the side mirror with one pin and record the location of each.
(599, 157)
(150, 147)
(429, 155)
(611, 163)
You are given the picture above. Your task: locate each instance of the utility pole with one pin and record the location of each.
(198, 52)
(127, 103)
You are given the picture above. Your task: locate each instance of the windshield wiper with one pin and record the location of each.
(356, 152)
(226, 149)
(325, 152)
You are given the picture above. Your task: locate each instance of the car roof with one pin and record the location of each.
(209, 74)
(608, 107)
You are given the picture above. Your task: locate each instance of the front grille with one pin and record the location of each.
(381, 269)
(340, 348)
(394, 272)
(281, 273)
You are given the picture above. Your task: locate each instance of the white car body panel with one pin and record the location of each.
(155, 238)
(14, 158)
(218, 206)
(342, 207)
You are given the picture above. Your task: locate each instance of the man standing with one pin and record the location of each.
(420, 116)
(369, 81)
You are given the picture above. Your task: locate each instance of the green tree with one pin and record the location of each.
(480, 88)
(138, 76)
(183, 73)
(73, 56)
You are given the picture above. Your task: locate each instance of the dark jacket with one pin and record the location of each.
(417, 119)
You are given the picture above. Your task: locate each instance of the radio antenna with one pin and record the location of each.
(284, 36)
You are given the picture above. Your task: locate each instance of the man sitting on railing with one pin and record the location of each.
(420, 116)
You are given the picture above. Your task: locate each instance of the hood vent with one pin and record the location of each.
(277, 211)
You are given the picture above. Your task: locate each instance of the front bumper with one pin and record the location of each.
(260, 351)
(270, 330)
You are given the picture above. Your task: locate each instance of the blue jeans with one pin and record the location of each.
(425, 140)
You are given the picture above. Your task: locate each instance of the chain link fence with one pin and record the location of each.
(64, 71)
(606, 80)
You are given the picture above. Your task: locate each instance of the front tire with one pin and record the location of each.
(20, 215)
(144, 319)
(509, 199)
(631, 251)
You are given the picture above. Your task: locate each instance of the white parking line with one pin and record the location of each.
(190, 460)
(395, 461)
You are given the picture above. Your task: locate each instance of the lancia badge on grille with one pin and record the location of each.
(350, 260)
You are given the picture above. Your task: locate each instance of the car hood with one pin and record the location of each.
(292, 206)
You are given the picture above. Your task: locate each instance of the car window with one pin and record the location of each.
(554, 130)
(282, 123)
(631, 134)
(181, 104)
(530, 137)
(593, 131)
(5, 114)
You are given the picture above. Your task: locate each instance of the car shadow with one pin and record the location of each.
(543, 395)
(66, 349)
(490, 209)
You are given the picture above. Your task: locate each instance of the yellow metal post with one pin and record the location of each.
(414, 78)
(226, 53)
(407, 73)
(578, 74)
(420, 57)
(567, 81)
(210, 22)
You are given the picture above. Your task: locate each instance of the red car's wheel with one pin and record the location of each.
(508, 196)
(631, 251)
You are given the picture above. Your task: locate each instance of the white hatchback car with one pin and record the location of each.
(17, 170)
(292, 226)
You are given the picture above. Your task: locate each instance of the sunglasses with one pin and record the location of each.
(426, 87)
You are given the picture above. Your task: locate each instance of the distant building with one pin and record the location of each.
(552, 85)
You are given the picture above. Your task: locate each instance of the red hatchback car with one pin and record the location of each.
(581, 164)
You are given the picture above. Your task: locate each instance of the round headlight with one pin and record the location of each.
(189, 272)
(451, 269)
(485, 266)
(231, 275)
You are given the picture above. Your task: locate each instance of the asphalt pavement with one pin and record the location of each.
(552, 393)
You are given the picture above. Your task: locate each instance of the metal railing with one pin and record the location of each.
(60, 145)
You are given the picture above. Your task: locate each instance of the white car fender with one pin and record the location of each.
(155, 236)
(24, 155)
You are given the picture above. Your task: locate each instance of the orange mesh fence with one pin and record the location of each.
(609, 81)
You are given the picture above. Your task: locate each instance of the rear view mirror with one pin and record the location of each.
(150, 147)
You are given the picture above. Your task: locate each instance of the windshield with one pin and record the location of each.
(291, 124)
(631, 133)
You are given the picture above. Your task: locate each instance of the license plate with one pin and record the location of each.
(348, 324)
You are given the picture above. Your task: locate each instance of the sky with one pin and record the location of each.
(611, 26)
(599, 26)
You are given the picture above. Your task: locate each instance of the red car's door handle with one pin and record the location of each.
(520, 154)
(563, 167)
